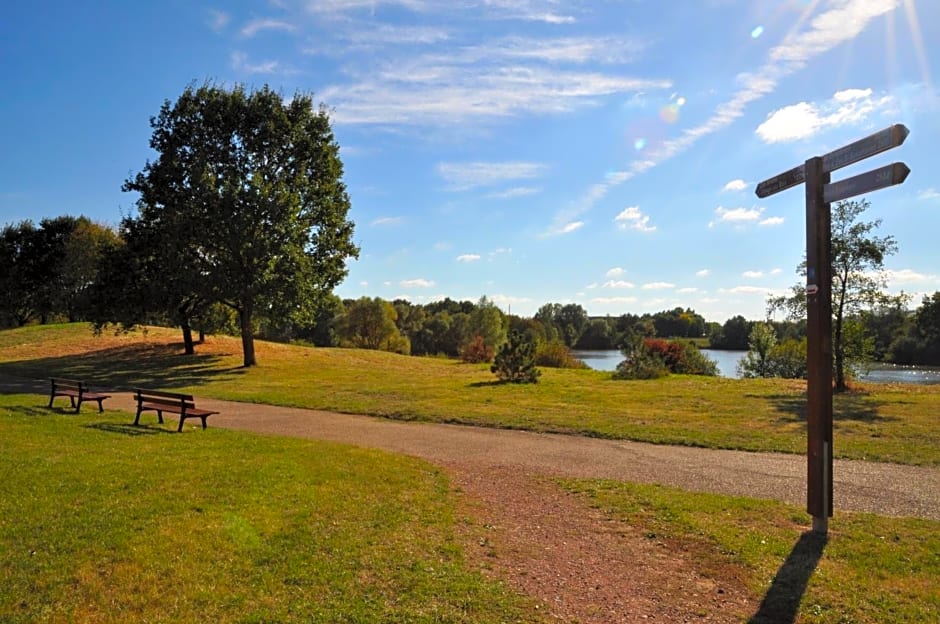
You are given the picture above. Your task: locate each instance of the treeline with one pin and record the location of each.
(73, 269)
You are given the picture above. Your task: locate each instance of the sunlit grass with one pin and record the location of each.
(105, 522)
(894, 423)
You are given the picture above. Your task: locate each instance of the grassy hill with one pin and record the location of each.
(876, 421)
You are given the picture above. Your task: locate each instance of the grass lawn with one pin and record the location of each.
(896, 423)
(872, 569)
(105, 522)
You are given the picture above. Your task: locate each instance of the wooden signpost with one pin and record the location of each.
(819, 194)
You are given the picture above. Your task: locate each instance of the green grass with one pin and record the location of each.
(895, 423)
(872, 569)
(105, 522)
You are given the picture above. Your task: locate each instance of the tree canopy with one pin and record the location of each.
(246, 203)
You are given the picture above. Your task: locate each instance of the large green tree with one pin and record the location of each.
(858, 283)
(249, 187)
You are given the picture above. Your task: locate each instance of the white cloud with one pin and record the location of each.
(658, 286)
(609, 300)
(776, 271)
(632, 218)
(615, 272)
(568, 228)
(499, 252)
(508, 300)
(803, 120)
(253, 27)
(753, 274)
(703, 273)
(618, 284)
(908, 276)
(735, 185)
(465, 176)
(771, 221)
(468, 257)
(929, 194)
(745, 290)
(416, 283)
(737, 216)
(519, 191)
(386, 221)
(687, 290)
(241, 63)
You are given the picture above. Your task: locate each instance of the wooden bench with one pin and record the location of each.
(159, 402)
(77, 392)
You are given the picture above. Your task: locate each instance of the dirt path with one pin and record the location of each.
(550, 545)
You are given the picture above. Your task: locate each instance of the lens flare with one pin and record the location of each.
(757, 32)
(639, 143)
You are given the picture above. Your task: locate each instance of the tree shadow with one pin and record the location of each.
(119, 368)
(487, 384)
(781, 603)
(846, 406)
(126, 429)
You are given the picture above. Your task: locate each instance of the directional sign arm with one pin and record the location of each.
(873, 144)
(781, 182)
(879, 178)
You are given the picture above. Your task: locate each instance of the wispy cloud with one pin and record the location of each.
(512, 193)
(658, 286)
(468, 257)
(843, 21)
(930, 194)
(218, 20)
(632, 218)
(387, 221)
(416, 283)
(619, 284)
(771, 221)
(703, 273)
(466, 176)
(241, 63)
(735, 185)
(753, 274)
(253, 27)
(746, 290)
(615, 272)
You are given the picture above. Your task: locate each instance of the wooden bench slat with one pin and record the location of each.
(161, 401)
(77, 392)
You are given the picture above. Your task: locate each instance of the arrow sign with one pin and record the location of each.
(889, 175)
(781, 182)
(843, 157)
(864, 148)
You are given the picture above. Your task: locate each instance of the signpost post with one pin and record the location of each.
(819, 194)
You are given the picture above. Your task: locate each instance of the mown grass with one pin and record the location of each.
(895, 423)
(105, 522)
(870, 570)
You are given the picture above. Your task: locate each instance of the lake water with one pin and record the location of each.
(728, 361)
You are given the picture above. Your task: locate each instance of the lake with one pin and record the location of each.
(728, 360)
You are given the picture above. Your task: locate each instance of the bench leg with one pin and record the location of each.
(137, 418)
(182, 420)
(203, 422)
(77, 405)
(100, 406)
(51, 398)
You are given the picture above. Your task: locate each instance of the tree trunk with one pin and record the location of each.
(248, 337)
(202, 336)
(188, 346)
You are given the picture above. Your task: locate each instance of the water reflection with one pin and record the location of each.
(728, 360)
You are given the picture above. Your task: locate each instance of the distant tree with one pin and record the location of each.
(733, 335)
(920, 341)
(20, 273)
(252, 185)
(756, 363)
(858, 283)
(598, 335)
(369, 323)
(488, 322)
(515, 361)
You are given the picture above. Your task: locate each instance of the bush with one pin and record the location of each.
(556, 355)
(640, 362)
(515, 361)
(652, 358)
(788, 359)
(476, 351)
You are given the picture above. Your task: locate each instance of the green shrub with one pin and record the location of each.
(515, 361)
(555, 354)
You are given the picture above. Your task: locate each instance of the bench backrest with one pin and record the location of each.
(150, 394)
(68, 384)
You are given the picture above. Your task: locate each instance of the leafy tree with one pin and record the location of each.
(597, 335)
(489, 323)
(252, 186)
(733, 335)
(370, 324)
(515, 361)
(858, 283)
(920, 343)
(20, 275)
(756, 363)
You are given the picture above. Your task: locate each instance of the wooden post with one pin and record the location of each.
(819, 346)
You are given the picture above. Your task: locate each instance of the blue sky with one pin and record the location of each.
(599, 152)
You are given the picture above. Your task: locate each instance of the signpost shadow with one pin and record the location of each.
(781, 603)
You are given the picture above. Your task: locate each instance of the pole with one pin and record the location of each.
(819, 346)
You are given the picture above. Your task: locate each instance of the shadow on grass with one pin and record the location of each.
(487, 384)
(847, 406)
(120, 368)
(126, 429)
(781, 603)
